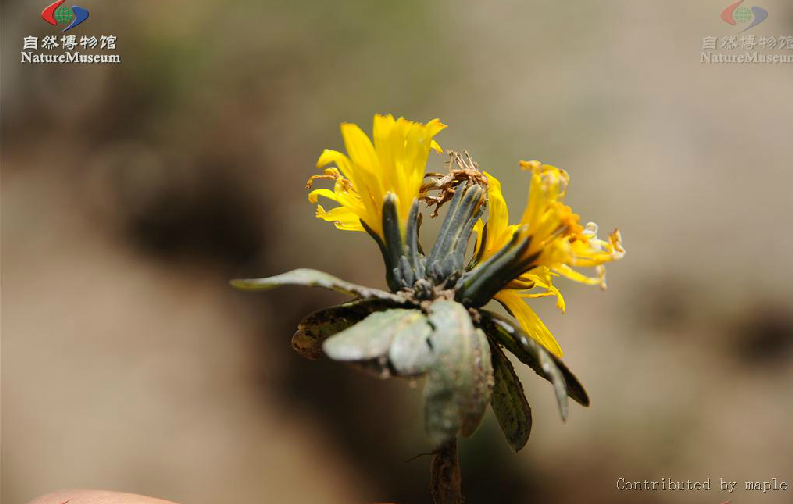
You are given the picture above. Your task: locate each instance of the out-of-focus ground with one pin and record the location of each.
(132, 193)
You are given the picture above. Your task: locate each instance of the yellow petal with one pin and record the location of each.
(329, 156)
(314, 195)
(394, 161)
(541, 277)
(478, 229)
(529, 321)
(342, 217)
(434, 127)
(568, 272)
(359, 148)
(498, 213)
(381, 130)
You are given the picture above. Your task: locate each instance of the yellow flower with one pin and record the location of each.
(395, 164)
(555, 244)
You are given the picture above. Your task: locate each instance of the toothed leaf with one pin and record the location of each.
(538, 358)
(509, 401)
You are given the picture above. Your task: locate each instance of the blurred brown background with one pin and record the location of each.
(131, 194)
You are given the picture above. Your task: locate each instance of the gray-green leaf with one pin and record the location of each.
(368, 342)
(509, 401)
(538, 358)
(313, 278)
(410, 353)
(322, 324)
(460, 381)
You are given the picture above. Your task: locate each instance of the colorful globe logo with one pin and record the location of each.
(736, 13)
(64, 15)
(57, 14)
(742, 14)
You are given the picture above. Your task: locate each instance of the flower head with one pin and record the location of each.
(395, 163)
(519, 261)
(433, 322)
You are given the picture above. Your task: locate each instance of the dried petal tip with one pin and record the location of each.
(439, 189)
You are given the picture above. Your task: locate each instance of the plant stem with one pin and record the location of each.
(446, 486)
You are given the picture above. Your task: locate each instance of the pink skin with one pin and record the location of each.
(95, 497)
